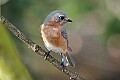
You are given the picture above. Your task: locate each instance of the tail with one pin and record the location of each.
(68, 60)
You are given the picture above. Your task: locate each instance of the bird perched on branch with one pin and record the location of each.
(55, 36)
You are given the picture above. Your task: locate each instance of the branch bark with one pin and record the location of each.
(36, 48)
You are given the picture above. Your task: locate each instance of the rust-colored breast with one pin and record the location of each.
(52, 34)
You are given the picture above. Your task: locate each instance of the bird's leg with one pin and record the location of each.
(46, 54)
(62, 61)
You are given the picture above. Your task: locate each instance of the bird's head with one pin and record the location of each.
(57, 17)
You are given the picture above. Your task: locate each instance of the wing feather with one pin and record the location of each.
(64, 34)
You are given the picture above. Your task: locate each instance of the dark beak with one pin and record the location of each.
(69, 20)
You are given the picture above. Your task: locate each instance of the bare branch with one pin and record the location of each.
(36, 48)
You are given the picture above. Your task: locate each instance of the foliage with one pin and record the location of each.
(11, 67)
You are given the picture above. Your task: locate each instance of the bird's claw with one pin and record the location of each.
(63, 66)
(46, 55)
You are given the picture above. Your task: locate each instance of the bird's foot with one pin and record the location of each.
(63, 66)
(46, 55)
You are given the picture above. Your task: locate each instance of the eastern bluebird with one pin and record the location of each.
(55, 36)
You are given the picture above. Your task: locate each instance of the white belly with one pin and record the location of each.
(49, 46)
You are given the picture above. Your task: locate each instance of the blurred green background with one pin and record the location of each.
(94, 37)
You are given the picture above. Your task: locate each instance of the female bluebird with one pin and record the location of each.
(55, 36)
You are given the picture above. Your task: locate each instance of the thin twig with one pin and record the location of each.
(36, 48)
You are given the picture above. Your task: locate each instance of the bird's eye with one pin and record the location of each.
(61, 17)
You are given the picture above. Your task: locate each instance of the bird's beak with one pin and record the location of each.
(68, 20)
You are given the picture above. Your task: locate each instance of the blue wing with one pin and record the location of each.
(69, 57)
(64, 34)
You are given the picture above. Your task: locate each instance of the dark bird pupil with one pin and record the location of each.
(61, 17)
